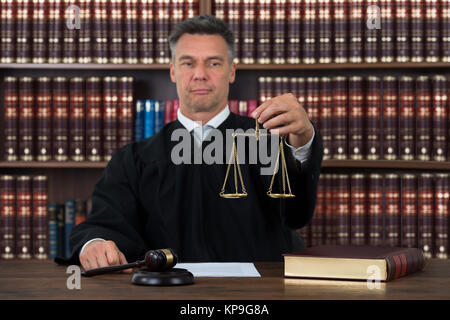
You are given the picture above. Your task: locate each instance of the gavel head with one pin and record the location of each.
(161, 259)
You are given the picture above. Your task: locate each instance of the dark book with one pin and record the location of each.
(387, 31)
(100, 32)
(70, 35)
(440, 114)
(115, 31)
(326, 128)
(425, 214)
(40, 241)
(309, 19)
(424, 118)
(402, 31)
(125, 111)
(60, 119)
(61, 219)
(441, 222)
(312, 100)
(23, 26)
(324, 31)
(131, 32)
(356, 25)
(371, 34)
(407, 125)
(69, 223)
(263, 31)
(94, 119)
(52, 230)
(445, 30)
(390, 118)
(110, 104)
(358, 209)
(77, 117)
(39, 15)
(340, 19)
(375, 225)
(8, 15)
(318, 220)
(342, 203)
(139, 120)
(162, 10)
(168, 111)
(293, 26)
(339, 116)
(55, 27)
(159, 115)
(356, 118)
(24, 217)
(233, 18)
(84, 45)
(278, 38)
(373, 118)
(251, 106)
(146, 34)
(409, 210)
(27, 115)
(176, 106)
(8, 215)
(80, 211)
(417, 31)
(10, 150)
(330, 209)
(392, 209)
(432, 31)
(263, 90)
(353, 262)
(43, 119)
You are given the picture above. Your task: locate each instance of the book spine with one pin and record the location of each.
(340, 34)
(293, 31)
(441, 222)
(8, 15)
(168, 111)
(339, 116)
(402, 31)
(373, 118)
(440, 114)
(26, 119)
(176, 13)
(77, 116)
(115, 33)
(10, 119)
(149, 123)
(432, 31)
(162, 31)
(8, 215)
(234, 23)
(309, 32)
(192, 8)
(278, 86)
(110, 101)
(100, 32)
(80, 211)
(342, 198)
(251, 106)
(52, 230)
(325, 117)
(61, 218)
(407, 119)
(371, 34)
(60, 121)
(23, 32)
(387, 31)
(417, 39)
(279, 36)
(293, 86)
(375, 226)
(358, 215)
(262, 90)
(70, 36)
(243, 108)
(55, 31)
(312, 100)
(403, 263)
(392, 209)
(131, 33)
(159, 115)
(424, 118)
(356, 18)
(40, 217)
(330, 209)
(233, 106)
(390, 118)
(139, 120)
(263, 28)
(409, 210)
(176, 106)
(39, 31)
(84, 39)
(69, 223)
(445, 30)
(93, 119)
(425, 214)
(356, 118)
(43, 118)
(125, 111)
(318, 220)
(24, 217)
(220, 9)
(301, 91)
(324, 21)
(146, 19)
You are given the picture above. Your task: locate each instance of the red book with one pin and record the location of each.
(375, 227)
(358, 214)
(326, 127)
(40, 239)
(176, 106)
(440, 115)
(7, 217)
(409, 210)
(425, 214)
(234, 106)
(10, 119)
(356, 118)
(24, 217)
(441, 229)
(373, 118)
(94, 119)
(392, 209)
(339, 116)
(60, 119)
(43, 119)
(407, 124)
(342, 202)
(26, 119)
(168, 111)
(293, 22)
(147, 16)
(243, 108)
(390, 118)
(77, 117)
(424, 118)
(125, 118)
(251, 106)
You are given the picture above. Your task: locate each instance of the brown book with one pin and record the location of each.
(94, 119)
(402, 31)
(77, 118)
(358, 213)
(417, 31)
(390, 118)
(407, 125)
(441, 222)
(23, 31)
(371, 35)
(55, 28)
(387, 31)
(162, 10)
(84, 40)
(356, 118)
(263, 31)
(146, 20)
(339, 116)
(220, 8)
(425, 207)
(176, 13)
(110, 103)
(131, 33)
(317, 222)
(125, 111)
(342, 203)
(392, 209)
(10, 119)
(445, 30)
(409, 210)
(279, 36)
(353, 262)
(40, 241)
(293, 31)
(24, 217)
(373, 118)
(70, 36)
(234, 22)
(243, 108)
(115, 33)
(60, 119)
(43, 118)
(309, 19)
(312, 100)
(432, 31)
(340, 32)
(8, 215)
(324, 26)
(330, 209)
(39, 17)
(192, 8)
(248, 32)
(100, 32)
(440, 114)
(8, 16)
(26, 118)
(326, 127)
(375, 226)
(424, 117)
(356, 25)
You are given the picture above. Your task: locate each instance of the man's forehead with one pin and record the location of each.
(201, 46)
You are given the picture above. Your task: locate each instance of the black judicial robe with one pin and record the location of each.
(144, 201)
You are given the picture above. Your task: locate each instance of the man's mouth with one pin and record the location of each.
(201, 91)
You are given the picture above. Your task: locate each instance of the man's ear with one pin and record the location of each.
(233, 72)
(172, 73)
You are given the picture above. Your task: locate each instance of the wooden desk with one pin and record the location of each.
(46, 280)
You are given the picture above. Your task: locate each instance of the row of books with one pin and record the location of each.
(64, 118)
(373, 117)
(32, 228)
(88, 31)
(392, 208)
(338, 31)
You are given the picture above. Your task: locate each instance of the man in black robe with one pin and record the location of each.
(147, 200)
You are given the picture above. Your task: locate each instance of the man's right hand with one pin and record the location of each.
(99, 253)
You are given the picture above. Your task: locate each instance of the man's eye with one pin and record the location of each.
(186, 63)
(215, 64)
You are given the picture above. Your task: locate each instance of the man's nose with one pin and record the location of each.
(200, 72)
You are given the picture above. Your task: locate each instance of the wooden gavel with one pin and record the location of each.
(154, 260)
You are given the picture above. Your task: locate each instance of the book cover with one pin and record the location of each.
(125, 111)
(24, 219)
(43, 119)
(115, 31)
(94, 119)
(409, 210)
(70, 36)
(149, 118)
(23, 26)
(139, 121)
(27, 116)
(417, 31)
(9, 147)
(326, 128)
(440, 115)
(424, 118)
(392, 209)
(387, 31)
(84, 45)
(293, 31)
(100, 32)
(324, 31)
(407, 121)
(339, 118)
(69, 223)
(371, 41)
(356, 118)
(233, 18)
(373, 118)
(432, 31)
(8, 215)
(146, 20)
(8, 14)
(110, 115)
(80, 211)
(131, 31)
(402, 31)
(77, 117)
(162, 17)
(40, 220)
(39, 16)
(55, 23)
(425, 213)
(375, 225)
(340, 30)
(309, 20)
(390, 116)
(248, 32)
(60, 119)
(358, 209)
(356, 25)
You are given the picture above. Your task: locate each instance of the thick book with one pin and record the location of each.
(43, 119)
(353, 262)
(10, 119)
(24, 217)
(40, 222)
(139, 121)
(248, 32)
(93, 119)
(77, 118)
(340, 32)
(293, 15)
(279, 35)
(69, 223)
(263, 31)
(8, 216)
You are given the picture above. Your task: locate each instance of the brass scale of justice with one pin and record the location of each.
(237, 170)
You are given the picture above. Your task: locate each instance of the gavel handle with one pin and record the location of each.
(97, 271)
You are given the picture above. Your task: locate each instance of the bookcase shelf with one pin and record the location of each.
(156, 66)
(53, 164)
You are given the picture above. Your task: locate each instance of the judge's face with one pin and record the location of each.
(202, 72)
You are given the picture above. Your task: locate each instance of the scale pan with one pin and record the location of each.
(233, 195)
(281, 195)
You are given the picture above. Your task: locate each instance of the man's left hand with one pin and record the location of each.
(284, 115)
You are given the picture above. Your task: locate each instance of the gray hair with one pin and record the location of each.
(203, 24)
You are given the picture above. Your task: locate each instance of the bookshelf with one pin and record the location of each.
(70, 179)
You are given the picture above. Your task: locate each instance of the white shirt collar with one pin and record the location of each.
(214, 122)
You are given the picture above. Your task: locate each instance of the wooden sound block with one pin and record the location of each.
(172, 277)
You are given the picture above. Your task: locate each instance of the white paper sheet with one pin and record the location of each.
(219, 269)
